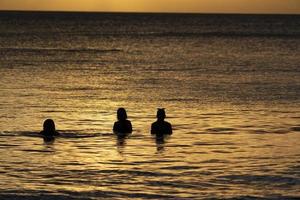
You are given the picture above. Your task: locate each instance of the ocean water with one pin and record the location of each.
(230, 85)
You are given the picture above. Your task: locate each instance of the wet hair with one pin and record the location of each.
(161, 113)
(49, 125)
(121, 114)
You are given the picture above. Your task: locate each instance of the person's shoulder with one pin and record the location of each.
(168, 123)
(116, 123)
(154, 123)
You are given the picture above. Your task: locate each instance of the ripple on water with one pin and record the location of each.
(274, 131)
(8, 145)
(179, 184)
(82, 195)
(274, 180)
(221, 151)
(37, 151)
(295, 128)
(154, 161)
(213, 143)
(120, 172)
(180, 168)
(215, 161)
(271, 197)
(222, 130)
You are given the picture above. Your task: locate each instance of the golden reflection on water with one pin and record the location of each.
(235, 110)
(104, 163)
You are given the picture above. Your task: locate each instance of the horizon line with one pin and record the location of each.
(141, 12)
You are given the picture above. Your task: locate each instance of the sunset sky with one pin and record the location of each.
(199, 6)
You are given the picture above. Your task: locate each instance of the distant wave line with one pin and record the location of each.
(59, 49)
(164, 34)
(198, 34)
(216, 130)
(64, 134)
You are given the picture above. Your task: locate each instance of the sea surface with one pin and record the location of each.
(230, 85)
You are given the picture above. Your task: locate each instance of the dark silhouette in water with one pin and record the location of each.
(160, 144)
(49, 131)
(121, 143)
(122, 127)
(161, 127)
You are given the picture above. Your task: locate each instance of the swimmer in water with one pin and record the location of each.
(161, 127)
(49, 131)
(122, 127)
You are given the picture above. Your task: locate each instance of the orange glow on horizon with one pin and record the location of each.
(201, 6)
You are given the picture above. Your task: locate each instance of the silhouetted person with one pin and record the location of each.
(122, 127)
(49, 131)
(161, 127)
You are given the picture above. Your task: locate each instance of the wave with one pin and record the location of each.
(271, 131)
(277, 197)
(89, 195)
(250, 130)
(72, 50)
(213, 144)
(214, 161)
(75, 195)
(181, 168)
(218, 34)
(253, 179)
(221, 129)
(214, 131)
(295, 128)
(163, 34)
(63, 134)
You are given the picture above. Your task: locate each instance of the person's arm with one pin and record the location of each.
(152, 129)
(129, 127)
(170, 129)
(115, 127)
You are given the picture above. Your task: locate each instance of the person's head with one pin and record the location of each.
(121, 114)
(49, 125)
(161, 114)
